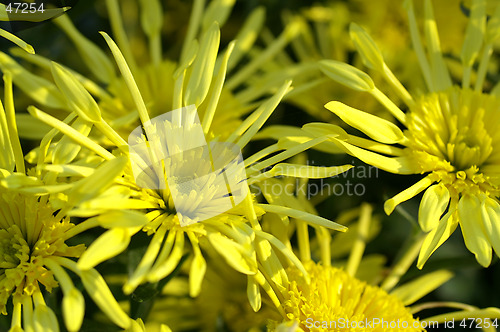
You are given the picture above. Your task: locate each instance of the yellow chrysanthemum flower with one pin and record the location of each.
(451, 133)
(34, 229)
(236, 234)
(336, 301)
(332, 297)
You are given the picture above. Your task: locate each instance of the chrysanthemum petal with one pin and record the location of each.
(217, 11)
(196, 273)
(109, 244)
(370, 53)
(347, 75)
(432, 207)
(99, 181)
(78, 98)
(234, 254)
(253, 293)
(247, 35)
(414, 290)
(490, 210)
(121, 218)
(73, 305)
(474, 33)
(406, 194)
(300, 171)
(436, 237)
(66, 149)
(70, 132)
(301, 215)
(399, 165)
(203, 67)
(95, 59)
(99, 292)
(377, 128)
(44, 319)
(469, 211)
(38, 88)
(18, 41)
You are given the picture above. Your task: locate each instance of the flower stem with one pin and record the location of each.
(407, 257)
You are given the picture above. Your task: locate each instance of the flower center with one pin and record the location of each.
(29, 232)
(456, 135)
(334, 297)
(13, 248)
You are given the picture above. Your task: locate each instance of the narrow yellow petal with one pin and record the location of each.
(38, 88)
(247, 35)
(108, 245)
(216, 90)
(436, 237)
(31, 128)
(163, 265)
(414, 290)
(398, 165)
(121, 218)
(18, 41)
(196, 273)
(44, 319)
(77, 97)
(469, 211)
(99, 181)
(370, 53)
(377, 128)
(434, 202)
(347, 75)
(149, 257)
(73, 305)
(408, 193)
(474, 33)
(96, 60)
(234, 254)
(217, 11)
(301, 215)
(300, 171)
(128, 77)
(66, 149)
(490, 210)
(253, 293)
(440, 73)
(70, 132)
(264, 112)
(203, 67)
(99, 291)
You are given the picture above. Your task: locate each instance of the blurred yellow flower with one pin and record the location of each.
(336, 301)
